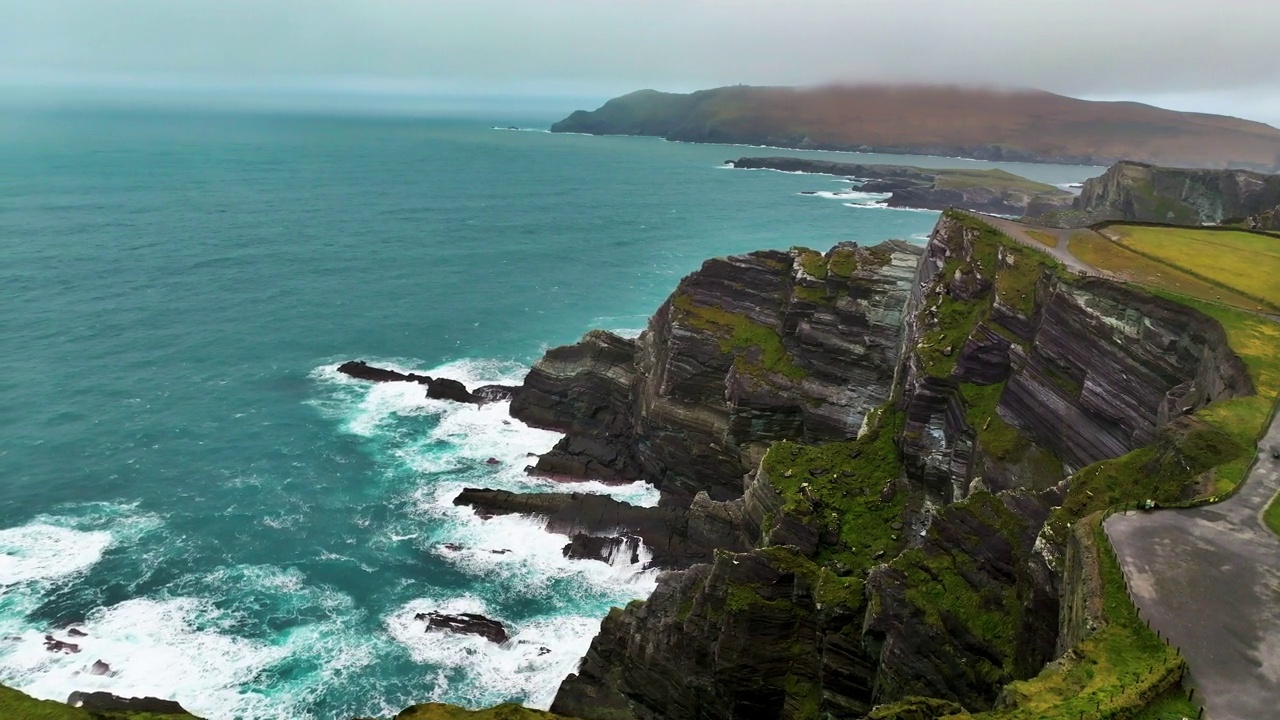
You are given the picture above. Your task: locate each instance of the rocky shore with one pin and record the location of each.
(994, 192)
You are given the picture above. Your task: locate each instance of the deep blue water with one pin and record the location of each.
(183, 475)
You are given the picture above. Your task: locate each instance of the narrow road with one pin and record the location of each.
(1208, 579)
(1018, 232)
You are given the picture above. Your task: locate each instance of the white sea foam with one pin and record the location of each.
(40, 552)
(187, 648)
(852, 196)
(884, 206)
(528, 667)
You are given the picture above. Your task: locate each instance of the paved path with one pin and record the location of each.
(1018, 232)
(1208, 579)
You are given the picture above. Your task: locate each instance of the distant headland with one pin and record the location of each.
(1025, 126)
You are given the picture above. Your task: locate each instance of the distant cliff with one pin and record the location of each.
(995, 192)
(1144, 193)
(1027, 126)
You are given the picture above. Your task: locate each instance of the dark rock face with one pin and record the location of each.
(723, 640)
(748, 350)
(611, 549)
(53, 644)
(437, 388)
(465, 623)
(993, 192)
(1147, 193)
(1110, 365)
(361, 370)
(664, 531)
(106, 702)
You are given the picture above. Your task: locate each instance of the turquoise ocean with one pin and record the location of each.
(184, 476)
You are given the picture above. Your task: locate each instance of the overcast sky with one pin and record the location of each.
(1193, 54)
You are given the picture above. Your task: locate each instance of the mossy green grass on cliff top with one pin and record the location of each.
(15, 705)
(1112, 257)
(1166, 471)
(955, 179)
(1013, 272)
(1271, 516)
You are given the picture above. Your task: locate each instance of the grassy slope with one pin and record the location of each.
(1107, 255)
(1245, 262)
(994, 179)
(1044, 238)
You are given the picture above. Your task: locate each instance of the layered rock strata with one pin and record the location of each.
(818, 575)
(748, 350)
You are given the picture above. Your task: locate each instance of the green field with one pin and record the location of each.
(1110, 256)
(1044, 238)
(1248, 263)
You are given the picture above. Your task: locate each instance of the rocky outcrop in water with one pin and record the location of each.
(437, 388)
(748, 350)
(994, 192)
(1132, 191)
(465, 624)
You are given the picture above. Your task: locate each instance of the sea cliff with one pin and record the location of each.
(877, 467)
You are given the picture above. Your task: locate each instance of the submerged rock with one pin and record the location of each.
(437, 388)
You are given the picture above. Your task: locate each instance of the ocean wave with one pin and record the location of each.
(885, 206)
(475, 672)
(245, 642)
(851, 195)
(520, 129)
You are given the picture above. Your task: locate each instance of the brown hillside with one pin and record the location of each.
(1024, 125)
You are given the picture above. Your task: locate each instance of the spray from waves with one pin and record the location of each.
(884, 206)
(515, 570)
(255, 642)
(851, 195)
(476, 672)
(53, 551)
(463, 439)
